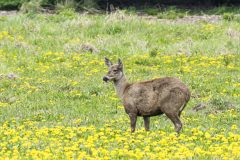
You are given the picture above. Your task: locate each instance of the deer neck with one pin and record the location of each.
(120, 86)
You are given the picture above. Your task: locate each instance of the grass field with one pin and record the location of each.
(54, 104)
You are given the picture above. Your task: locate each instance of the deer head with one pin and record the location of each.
(115, 71)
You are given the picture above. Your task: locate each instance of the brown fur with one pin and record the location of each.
(150, 98)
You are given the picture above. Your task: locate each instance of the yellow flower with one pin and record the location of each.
(212, 116)
(234, 127)
(207, 135)
(3, 104)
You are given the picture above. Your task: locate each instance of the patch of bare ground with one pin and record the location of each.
(8, 13)
(188, 19)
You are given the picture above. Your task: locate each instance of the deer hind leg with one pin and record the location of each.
(133, 120)
(146, 123)
(181, 109)
(176, 121)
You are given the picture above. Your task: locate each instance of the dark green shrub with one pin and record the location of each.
(16, 4)
(171, 14)
(10, 4)
(153, 53)
(237, 18)
(89, 3)
(66, 6)
(131, 10)
(68, 13)
(63, 15)
(228, 16)
(49, 2)
(31, 7)
(151, 11)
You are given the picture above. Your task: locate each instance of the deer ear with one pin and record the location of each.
(108, 62)
(120, 65)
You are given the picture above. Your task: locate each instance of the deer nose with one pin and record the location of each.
(105, 79)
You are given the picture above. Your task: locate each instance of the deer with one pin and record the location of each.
(167, 95)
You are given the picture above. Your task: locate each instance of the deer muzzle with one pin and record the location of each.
(106, 79)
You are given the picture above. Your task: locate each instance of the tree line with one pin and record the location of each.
(103, 4)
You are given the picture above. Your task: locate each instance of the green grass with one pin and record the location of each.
(59, 82)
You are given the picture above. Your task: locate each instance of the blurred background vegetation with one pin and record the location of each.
(105, 4)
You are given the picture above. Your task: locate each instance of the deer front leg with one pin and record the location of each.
(133, 119)
(146, 123)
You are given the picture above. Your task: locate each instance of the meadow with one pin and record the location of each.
(54, 104)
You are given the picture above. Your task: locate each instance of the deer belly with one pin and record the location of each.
(148, 111)
(147, 106)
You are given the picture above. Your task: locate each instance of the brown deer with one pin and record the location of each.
(167, 96)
